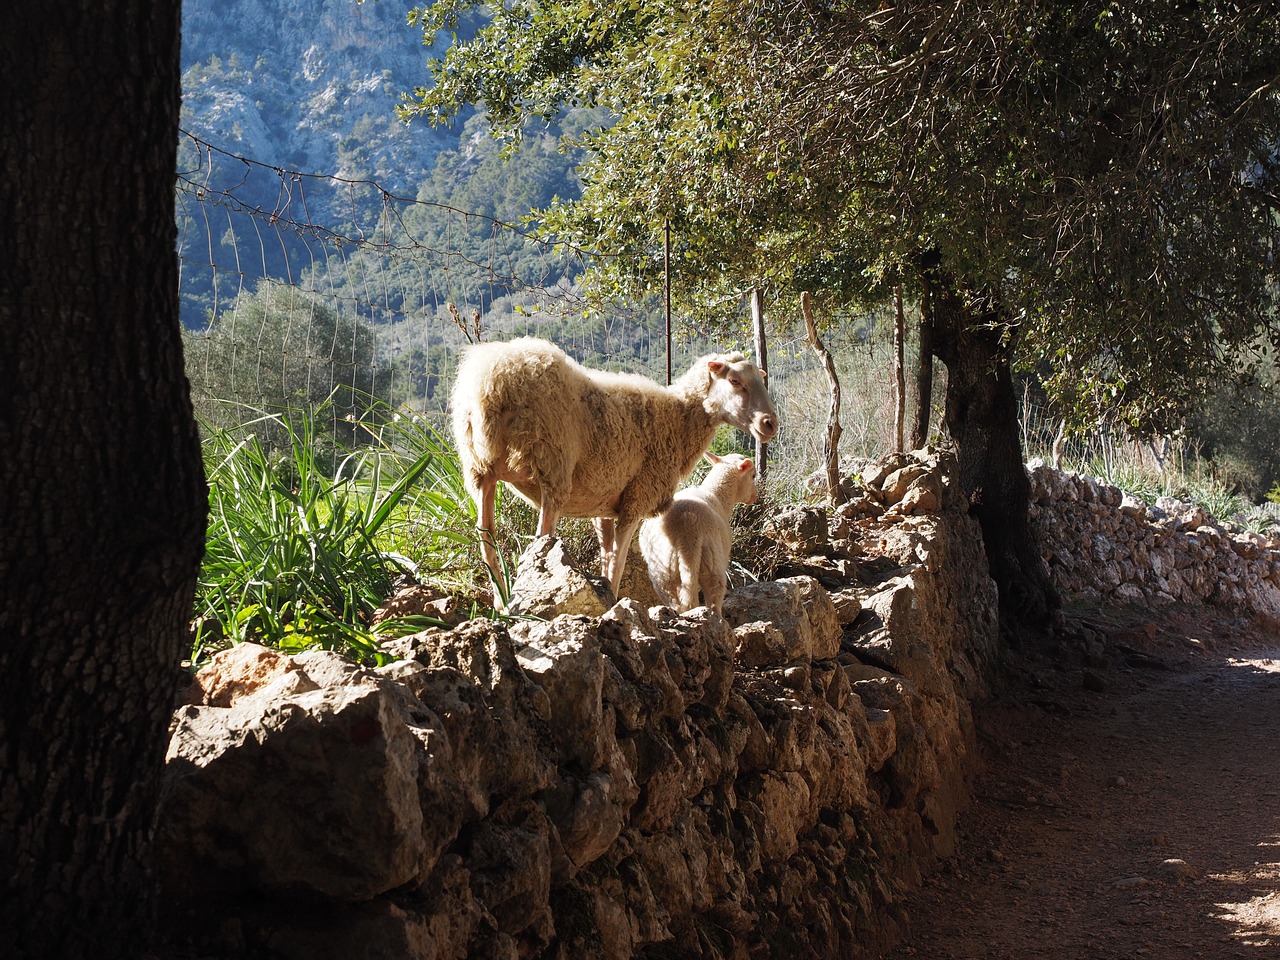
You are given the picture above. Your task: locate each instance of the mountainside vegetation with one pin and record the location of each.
(295, 172)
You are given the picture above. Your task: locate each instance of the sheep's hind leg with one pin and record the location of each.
(606, 531)
(485, 494)
(614, 561)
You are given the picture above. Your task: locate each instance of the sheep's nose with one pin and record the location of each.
(767, 425)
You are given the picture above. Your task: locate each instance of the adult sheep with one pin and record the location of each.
(687, 546)
(576, 442)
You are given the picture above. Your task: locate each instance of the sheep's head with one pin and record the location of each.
(737, 395)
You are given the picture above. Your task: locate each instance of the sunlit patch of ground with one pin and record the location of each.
(1257, 918)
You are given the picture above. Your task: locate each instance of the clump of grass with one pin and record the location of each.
(299, 556)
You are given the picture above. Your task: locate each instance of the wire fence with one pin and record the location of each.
(316, 290)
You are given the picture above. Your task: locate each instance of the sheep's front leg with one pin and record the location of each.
(548, 517)
(485, 494)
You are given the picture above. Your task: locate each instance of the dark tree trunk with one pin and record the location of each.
(899, 370)
(924, 370)
(982, 418)
(102, 496)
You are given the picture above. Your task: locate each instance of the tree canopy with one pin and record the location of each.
(1107, 170)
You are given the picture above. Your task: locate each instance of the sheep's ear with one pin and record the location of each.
(746, 465)
(764, 374)
(716, 367)
(711, 457)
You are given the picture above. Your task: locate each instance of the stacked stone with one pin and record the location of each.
(1102, 543)
(608, 783)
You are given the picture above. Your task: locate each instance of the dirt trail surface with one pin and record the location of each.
(1128, 806)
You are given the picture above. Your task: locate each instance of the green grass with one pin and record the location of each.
(305, 540)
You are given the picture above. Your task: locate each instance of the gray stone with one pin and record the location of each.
(801, 622)
(547, 586)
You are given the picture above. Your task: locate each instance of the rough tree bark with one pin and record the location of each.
(899, 369)
(924, 369)
(982, 419)
(102, 495)
(762, 361)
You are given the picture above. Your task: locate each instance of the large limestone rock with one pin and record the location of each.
(303, 786)
(547, 586)
(783, 622)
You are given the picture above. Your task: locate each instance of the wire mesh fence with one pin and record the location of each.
(320, 291)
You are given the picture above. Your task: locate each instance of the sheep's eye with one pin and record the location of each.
(735, 382)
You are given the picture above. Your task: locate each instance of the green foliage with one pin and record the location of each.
(1273, 495)
(1237, 426)
(295, 554)
(1064, 168)
(281, 349)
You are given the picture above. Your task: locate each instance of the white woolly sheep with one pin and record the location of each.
(687, 546)
(576, 442)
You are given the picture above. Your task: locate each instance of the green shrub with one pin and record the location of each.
(298, 556)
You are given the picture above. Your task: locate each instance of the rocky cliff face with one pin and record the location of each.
(309, 86)
(630, 784)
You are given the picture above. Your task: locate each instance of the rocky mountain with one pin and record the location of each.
(309, 86)
(307, 93)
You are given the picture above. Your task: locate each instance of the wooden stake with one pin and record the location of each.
(831, 445)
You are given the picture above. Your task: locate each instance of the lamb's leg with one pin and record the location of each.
(713, 591)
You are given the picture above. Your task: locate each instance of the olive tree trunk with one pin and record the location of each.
(924, 370)
(982, 417)
(102, 496)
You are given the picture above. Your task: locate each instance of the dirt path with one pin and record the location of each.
(1139, 819)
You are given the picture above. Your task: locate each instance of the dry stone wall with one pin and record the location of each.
(621, 783)
(1101, 542)
(614, 780)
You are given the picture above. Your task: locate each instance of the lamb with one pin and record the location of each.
(687, 546)
(578, 442)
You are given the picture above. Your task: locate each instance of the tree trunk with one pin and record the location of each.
(924, 369)
(102, 495)
(899, 371)
(762, 361)
(982, 418)
(831, 443)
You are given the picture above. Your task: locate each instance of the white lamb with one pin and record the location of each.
(687, 546)
(584, 443)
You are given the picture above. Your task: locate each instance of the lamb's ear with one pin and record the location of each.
(711, 457)
(764, 375)
(746, 465)
(716, 367)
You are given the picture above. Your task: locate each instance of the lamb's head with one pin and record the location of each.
(737, 395)
(734, 475)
